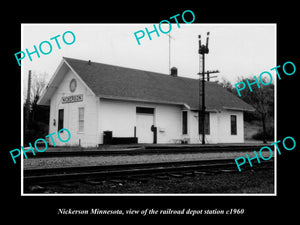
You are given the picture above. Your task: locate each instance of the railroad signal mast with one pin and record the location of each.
(203, 49)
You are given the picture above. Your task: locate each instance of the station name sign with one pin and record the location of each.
(72, 98)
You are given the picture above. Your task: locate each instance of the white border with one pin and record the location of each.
(117, 194)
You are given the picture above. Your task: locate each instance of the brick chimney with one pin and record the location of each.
(174, 72)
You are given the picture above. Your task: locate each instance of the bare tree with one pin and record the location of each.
(262, 99)
(226, 84)
(38, 83)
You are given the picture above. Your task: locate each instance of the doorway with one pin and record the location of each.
(144, 121)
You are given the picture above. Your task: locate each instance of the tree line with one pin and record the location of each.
(262, 99)
(36, 117)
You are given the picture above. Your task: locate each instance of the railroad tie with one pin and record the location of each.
(176, 175)
(161, 177)
(69, 185)
(93, 182)
(36, 189)
(200, 172)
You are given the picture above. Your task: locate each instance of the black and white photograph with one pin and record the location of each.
(120, 114)
(149, 112)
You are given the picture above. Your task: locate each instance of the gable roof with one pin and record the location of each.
(108, 81)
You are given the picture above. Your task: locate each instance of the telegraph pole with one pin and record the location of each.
(210, 72)
(27, 103)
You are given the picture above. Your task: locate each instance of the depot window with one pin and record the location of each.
(80, 119)
(233, 125)
(145, 110)
(60, 119)
(184, 122)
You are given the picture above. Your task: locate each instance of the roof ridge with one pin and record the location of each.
(123, 67)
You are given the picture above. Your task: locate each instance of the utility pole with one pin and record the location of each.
(210, 72)
(27, 103)
(203, 49)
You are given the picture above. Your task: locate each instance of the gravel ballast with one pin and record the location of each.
(57, 162)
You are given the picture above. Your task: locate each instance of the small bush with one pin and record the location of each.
(269, 134)
(37, 130)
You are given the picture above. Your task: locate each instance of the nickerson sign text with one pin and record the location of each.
(72, 98)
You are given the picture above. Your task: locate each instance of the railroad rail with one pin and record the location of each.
(69, 174)
(145, 149)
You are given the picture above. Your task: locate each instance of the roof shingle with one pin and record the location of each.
(127, 83)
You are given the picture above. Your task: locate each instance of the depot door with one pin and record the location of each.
(144, 121)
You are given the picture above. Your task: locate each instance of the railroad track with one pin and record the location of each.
(127, 171)
(138, 150)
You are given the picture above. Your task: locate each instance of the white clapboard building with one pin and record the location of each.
(95, 101)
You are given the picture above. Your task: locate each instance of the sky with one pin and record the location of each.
(234, 49)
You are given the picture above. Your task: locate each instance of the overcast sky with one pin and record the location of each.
(234, 49)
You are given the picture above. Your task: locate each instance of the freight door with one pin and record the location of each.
(144, 121)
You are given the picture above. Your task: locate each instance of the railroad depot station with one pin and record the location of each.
(107, 104)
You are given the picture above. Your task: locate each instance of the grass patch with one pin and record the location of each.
(251, 129)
